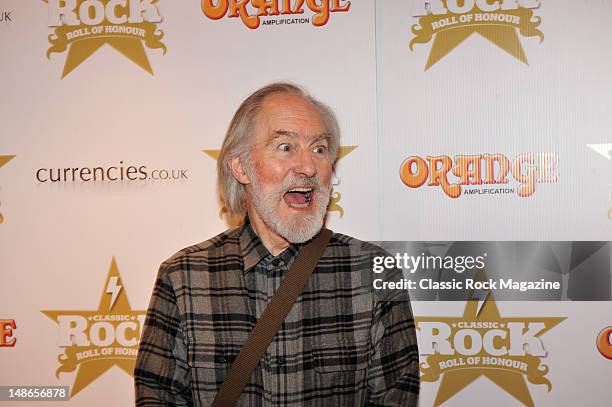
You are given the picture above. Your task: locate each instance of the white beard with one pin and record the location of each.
(299, 229)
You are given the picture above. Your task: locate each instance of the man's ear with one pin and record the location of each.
(238, 171)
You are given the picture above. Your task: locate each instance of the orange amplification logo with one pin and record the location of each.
(6, 333)
(604, 342)
(480, 170)
(251, 11)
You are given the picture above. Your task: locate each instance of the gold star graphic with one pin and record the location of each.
(80, 49)
(450, 30)
(91, 360)
(344, 151)
(214, 154)
(504, 37)
(512, 381)
(5, 159)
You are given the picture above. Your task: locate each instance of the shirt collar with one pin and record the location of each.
(254, 251)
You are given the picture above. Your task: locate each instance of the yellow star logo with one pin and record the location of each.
(80, 51)
(214, 154)
(5, 159)
(82, 42)
(500, 28)
(504, 37)
(507, 371)
(102, 338)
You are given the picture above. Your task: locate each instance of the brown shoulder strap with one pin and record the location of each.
(271, 320)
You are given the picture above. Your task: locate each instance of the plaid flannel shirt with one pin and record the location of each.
(339, 346)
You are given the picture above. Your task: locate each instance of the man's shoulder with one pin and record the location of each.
(355, 245)
(224, 243)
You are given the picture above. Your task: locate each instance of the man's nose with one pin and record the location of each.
(305, 164)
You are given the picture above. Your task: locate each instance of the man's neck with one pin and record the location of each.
(272, 241)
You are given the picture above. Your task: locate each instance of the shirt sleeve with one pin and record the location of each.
(161, 375)
(393, 372)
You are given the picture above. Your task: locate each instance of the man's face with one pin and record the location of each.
(289, 168)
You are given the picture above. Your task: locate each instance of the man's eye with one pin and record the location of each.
(320, 149)
(284, 147)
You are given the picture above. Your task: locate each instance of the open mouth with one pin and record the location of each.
(298, 197)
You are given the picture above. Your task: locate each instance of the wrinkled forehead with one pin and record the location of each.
(282, 134)
(288, 114)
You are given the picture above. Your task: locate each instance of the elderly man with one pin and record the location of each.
(339, 345)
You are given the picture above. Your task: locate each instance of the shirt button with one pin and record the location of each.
(281, 362)
(277, 262)
(220, 359)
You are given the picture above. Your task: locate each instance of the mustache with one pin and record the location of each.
(297, 182)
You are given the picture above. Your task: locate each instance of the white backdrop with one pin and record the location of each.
(58, 239)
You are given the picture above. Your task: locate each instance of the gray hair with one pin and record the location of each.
(238, 140)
